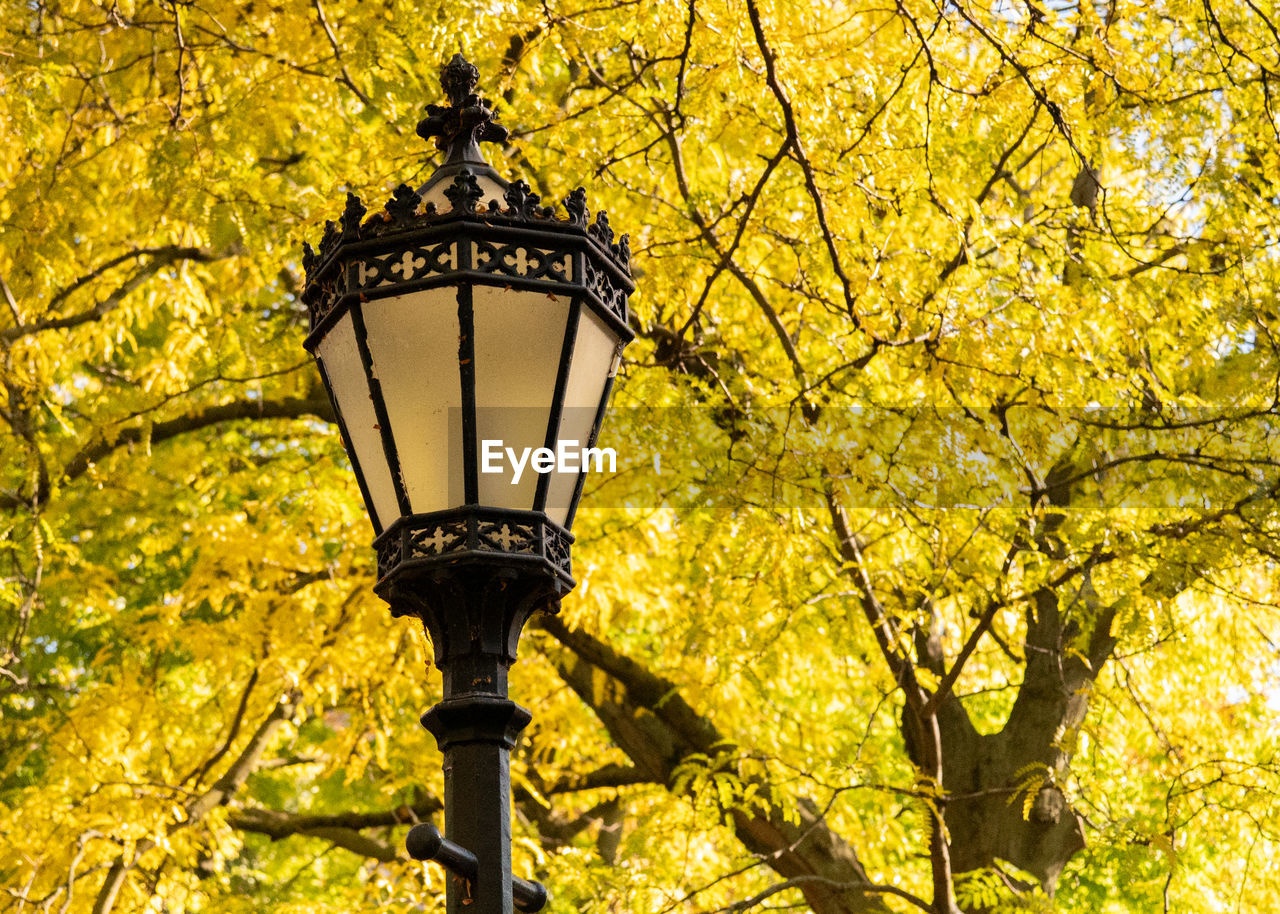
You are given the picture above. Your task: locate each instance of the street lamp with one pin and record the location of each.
(466, 322)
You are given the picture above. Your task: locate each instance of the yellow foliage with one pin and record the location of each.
(952, 410)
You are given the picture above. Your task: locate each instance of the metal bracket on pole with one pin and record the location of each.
(425, 842)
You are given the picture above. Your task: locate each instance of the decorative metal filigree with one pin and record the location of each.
(507, 537)
(623, 252)
(576, 206)
(458, 78)
(518, 260)
(464, 193)
(519, 242)
(438, 540)
(522, 203)
(351, 217)
(406, 257)
(403, 266)
(309, 259)
(612, 297)
(556, 549)
(325, 302)
(329, 240)
(388, 554)
(468, 119)
(601, 231)
(446, 538)
(403, 204)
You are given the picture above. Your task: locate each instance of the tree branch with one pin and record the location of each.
(287, 408)
(650, 720)
(798, 152)
(230, 781)
(342, 830)
(160, 258)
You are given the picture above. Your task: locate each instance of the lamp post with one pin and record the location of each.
(464, 319)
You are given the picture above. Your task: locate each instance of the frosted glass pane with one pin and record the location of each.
(592, 359)
(493, 191)
(413, 340)
(518, 337)
(341, 359)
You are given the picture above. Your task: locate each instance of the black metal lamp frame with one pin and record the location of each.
(473, 574)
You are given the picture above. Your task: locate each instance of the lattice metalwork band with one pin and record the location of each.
(474, 534)
(408, 246)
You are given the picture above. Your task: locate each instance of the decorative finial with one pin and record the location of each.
(402, 205)
(467, 121)
(576, 206)
(464, 193)
(458, 78)
(522, 202)
(351, 217)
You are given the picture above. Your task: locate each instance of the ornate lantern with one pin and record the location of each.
(463, 322)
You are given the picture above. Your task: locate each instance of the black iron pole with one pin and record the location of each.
(476, 733)
(474, 614)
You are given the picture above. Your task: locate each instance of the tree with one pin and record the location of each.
(939, 572)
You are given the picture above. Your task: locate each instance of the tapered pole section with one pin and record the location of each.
(474, 615)
(476, 732)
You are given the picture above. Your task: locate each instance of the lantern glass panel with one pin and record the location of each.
(339, 353)
(413, 340)
(518, 341)
(593, 356)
